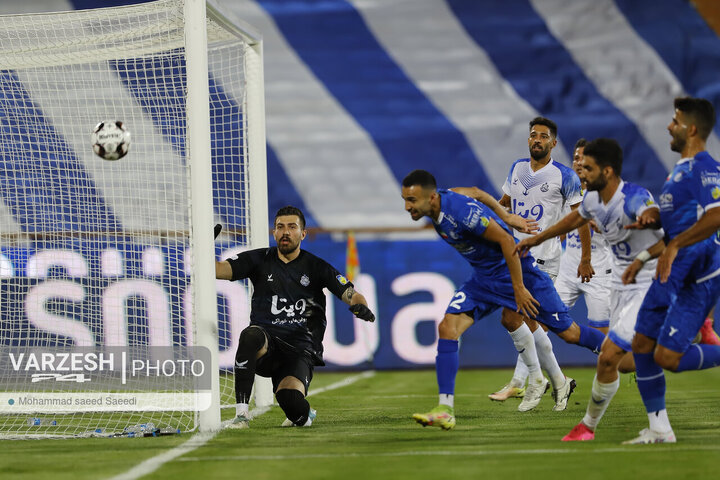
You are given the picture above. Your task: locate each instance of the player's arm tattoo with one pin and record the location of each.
(348, 294)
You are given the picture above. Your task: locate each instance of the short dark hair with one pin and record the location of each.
(606, 152)
(290, 210)
(580, 143)
(420, 177)
(546, 122)
(701, 111)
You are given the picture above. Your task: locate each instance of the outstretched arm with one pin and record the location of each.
(223, 270)
(500, 208)
(358, 304)
(526, 303)
(567, 224)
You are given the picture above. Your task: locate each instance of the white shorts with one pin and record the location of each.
(624, 308)
(551, 268)
(597, 296)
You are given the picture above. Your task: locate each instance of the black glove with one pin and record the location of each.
(363, 312)
(218, 228)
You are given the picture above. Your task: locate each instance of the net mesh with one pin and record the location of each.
(95, 254)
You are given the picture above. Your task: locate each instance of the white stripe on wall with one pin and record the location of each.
(425, 38)
(327, 155)
(621, 65)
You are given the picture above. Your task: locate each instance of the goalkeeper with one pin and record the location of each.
(287, 317)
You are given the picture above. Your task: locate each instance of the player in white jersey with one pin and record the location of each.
(613, 204)
(569, 284)
(540, 188)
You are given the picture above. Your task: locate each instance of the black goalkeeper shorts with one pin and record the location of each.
(281, 361)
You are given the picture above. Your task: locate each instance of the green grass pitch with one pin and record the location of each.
(365, 431)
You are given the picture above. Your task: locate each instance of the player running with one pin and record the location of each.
(687, 280)
(613, 204)
(287, 318)
(499, 279)
(569, 284)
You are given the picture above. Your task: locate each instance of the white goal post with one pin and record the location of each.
(109, 321)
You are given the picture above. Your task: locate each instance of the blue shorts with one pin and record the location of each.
(673, 312)
(482, 295)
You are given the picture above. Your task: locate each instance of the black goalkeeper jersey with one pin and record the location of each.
(288, 299)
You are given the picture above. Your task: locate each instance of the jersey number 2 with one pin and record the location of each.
(458, 299)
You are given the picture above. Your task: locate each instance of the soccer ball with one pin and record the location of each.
(111, 140)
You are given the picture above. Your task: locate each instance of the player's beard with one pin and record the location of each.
(598, 184)
(677, 144)
(289, 247)
(538, 154)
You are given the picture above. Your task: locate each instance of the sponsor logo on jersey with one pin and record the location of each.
(666, 201)
(473, 216)
(341, 279)
(304, 280)
(545, 187)
(270, 278)
(709, 178)
(673, 331)
(677, 177)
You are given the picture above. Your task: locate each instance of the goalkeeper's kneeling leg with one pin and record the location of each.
(296, 408)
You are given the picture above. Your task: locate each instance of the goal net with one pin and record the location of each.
(106, 267)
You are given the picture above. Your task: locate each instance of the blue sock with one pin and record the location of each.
(446, 365)
(699, 357)
(650, 381)
(591, 338)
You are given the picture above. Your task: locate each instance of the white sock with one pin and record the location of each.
(659, 421)
(602, 394)
(547, 359)
(521, 373)
(241, 409)
(525, 345)
(447, 399)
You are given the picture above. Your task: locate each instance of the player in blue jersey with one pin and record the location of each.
(687, 280)
(612, 204)
(499, 279)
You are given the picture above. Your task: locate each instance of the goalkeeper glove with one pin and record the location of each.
(363, 312)
(218, 228)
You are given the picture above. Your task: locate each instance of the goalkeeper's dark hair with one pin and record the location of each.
(701, 112)
(290, 210)
(606, 152)
(545, 122)
(422, 178)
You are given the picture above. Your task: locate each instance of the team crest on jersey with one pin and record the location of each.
(485, 221)
(677, 177)
(649, 202)
(515, 181)
(545, 187)
(715, 192)
(304, 280)
(340, 279)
